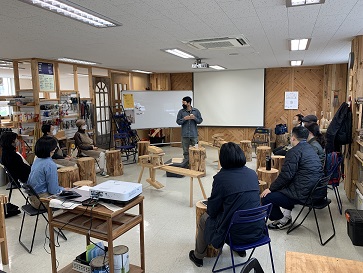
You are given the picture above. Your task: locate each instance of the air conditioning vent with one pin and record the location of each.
(219, 43)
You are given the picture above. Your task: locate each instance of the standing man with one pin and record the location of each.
(188, 118)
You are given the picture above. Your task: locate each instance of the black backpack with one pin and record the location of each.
(339, 131)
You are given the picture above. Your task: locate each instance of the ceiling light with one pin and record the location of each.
(179, 53)
(295, 3)
(73, 11)
(296, 63)
(217, 67)
(76, 61)
(299, 44)
(6, 67)
(141, 71)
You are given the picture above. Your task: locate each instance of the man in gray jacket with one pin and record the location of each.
(188, 118)
(300, 172)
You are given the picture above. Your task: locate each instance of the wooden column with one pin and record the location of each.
(87, 170)
(267, 176)
(246, 147)
(200, 209)
(197, 159)
(277, 161)
(114, 163)
(3, 240)
(262, 152)
(68, 175)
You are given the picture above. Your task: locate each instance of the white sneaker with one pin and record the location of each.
(103, 174)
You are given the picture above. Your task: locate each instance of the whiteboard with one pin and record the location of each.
(155, 109)
(230, 98)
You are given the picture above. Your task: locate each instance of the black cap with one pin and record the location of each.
(310, 118)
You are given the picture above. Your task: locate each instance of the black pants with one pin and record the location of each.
(278, 199)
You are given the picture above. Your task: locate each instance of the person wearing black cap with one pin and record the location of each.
(309, 119)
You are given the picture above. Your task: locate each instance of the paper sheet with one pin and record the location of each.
(62, 204)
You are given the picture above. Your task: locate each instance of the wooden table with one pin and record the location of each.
(106, 226)
(310, 263)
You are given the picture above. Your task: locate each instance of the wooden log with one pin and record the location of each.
(155, 150)
(246, 147)
(68, 175)
(262, 152)
(114, 163)
(200, 210)
(197, 159)
(282, 140)
(3, 239)
(277, 161)
(87, 170)
(83, 183)
(267, 176)
(262, 185)
(142, 148)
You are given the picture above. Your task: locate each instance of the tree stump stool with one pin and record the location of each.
(87, 170)
(246, 147)
(200, 209)
(114, 163)
(262, 152)
(142, 148)
(262, 185)
(68, 175)
(83, 183)
(267, 176)
(277, 161)
(197, 159)
(282, 140)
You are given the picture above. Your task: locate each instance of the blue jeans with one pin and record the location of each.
(186, 142)
(278, 199)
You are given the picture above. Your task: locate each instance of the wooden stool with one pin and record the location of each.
(267, 176)
(83, 183)
(282, 140)
(68, 175)
(262, 185)
(197, 159)
(246, 147)
(200, 209)
(114, 163)
(262, 152)
(142, 148)
(277, 161)
(87, 170)
(3, 240)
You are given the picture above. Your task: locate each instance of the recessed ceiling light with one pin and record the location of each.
(74, 11)
(217, 67)
(299, 44)
(69, 60)
(141, 71)
(295, 3)
(296, 63)
(179, 53)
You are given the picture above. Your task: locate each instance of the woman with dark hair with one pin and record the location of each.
(13, 161)
(297, 120)
(317, 140)
(43, 176)
(235, 187)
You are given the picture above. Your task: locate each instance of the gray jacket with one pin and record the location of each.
(189, 127)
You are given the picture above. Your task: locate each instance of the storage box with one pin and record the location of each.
(358, 200)
(183, 164)
(355, 226)
(80, 264)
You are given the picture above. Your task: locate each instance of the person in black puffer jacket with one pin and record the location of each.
(300, 172)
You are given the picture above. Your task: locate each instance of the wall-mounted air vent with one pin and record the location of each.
(219, 43)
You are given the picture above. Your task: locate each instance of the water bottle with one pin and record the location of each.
(268, 163)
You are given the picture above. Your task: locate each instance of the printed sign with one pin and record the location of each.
(292, 100)
(46, 77)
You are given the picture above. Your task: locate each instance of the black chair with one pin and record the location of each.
(246, 217)
(254, 265)
(12, 183)
(31, 211)
(126, 145)
(261, 136)
(317, 200)
(332, 167)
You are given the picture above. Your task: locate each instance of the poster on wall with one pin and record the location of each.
(46, 77)
(291, 100)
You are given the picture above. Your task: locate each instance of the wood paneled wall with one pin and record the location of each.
(159, 81)
(181, 81)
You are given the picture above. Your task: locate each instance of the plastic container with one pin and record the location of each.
(99, 265)
(355, 226)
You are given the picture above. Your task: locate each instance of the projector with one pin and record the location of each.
(200, 65)
(116, 190)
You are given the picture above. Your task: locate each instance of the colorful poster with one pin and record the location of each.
(46, 77)
(292, 100)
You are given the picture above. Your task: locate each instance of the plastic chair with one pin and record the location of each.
(317, 200)
(31, 211)
(261, 136)
(125, 144)
(254, 265)
(13, 183)
(245, 217)
(333, 171)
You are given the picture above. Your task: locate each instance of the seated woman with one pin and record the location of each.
(43, 175)
(17, 166)
(235, 187)
(85, 146)
(317, 140)
(58, 157)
